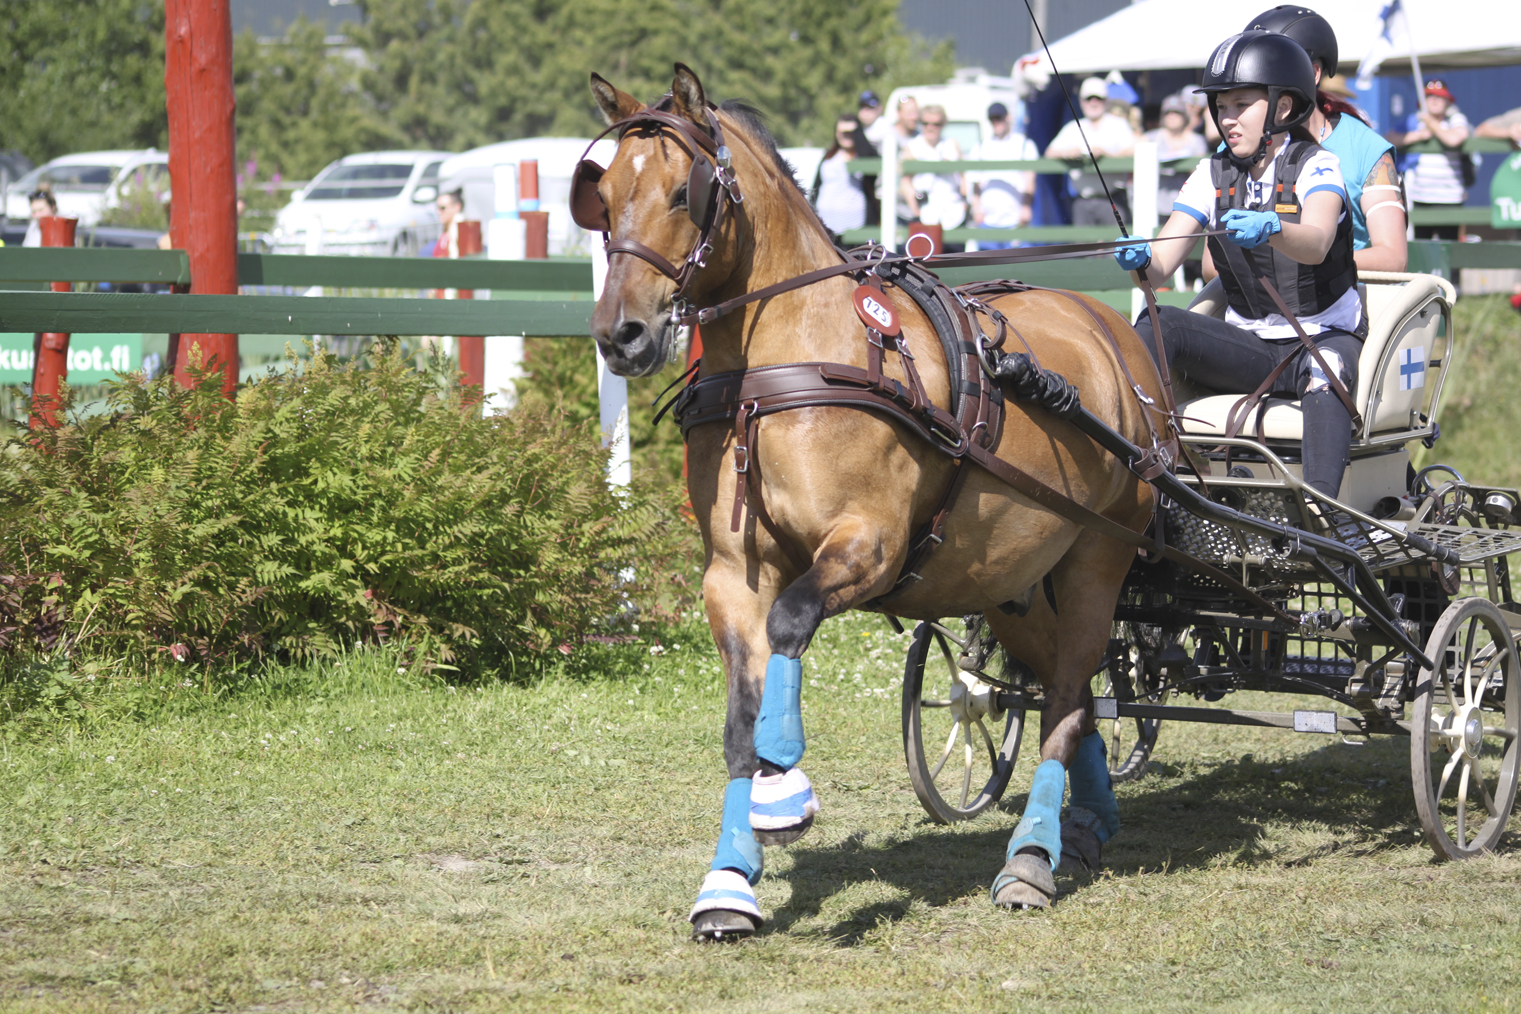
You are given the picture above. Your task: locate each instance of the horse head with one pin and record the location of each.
(669, 206)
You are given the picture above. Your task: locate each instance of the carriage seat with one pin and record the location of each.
(1396, 373)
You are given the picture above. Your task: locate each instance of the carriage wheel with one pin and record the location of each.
(1131, 670)
(1463, 730)
(960, 746)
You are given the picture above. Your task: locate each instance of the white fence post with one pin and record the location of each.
(889, 183)
(506, 240)
(612, 397)
(1146, 178)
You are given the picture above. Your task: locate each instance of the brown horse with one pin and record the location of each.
(847, 487)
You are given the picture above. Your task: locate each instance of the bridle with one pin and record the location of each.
(711, 187)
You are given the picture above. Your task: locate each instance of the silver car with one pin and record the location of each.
(378, 203)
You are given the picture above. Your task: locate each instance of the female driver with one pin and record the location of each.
(1283, 203)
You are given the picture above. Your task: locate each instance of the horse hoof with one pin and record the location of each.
(1025, 882)
(719, 925)
(786, 836)
(1082, 852)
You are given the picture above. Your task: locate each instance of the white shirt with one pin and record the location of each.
(1111, 134)
(942, 204)
(1435, 177)
(1320, 171)
(841, 202)
(1001, 192)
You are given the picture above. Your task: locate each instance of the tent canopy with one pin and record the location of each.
(1176, 34)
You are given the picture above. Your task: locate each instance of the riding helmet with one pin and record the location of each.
(1263, 60)
(1305, 27)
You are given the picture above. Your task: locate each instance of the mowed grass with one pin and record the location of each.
(392, 843)
(1480, 413)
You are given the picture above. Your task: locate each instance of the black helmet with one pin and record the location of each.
(1305, 27)
(1263, 60)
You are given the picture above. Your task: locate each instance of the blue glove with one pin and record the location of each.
(1250, 228)
(1135, 255)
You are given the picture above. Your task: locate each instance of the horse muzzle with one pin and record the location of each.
(633, 347)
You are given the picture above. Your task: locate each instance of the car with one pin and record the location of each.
(87, 183)
(377, 203)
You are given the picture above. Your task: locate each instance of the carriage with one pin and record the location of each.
(1398, 606)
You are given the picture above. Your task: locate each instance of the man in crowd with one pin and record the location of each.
(869, 116)
(1108, 135)
(1001, 199)
(1436, 179)
(1505, 127)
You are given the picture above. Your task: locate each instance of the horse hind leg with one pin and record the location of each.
(1086, 584)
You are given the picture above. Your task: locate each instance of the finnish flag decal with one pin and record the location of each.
(1412, 368)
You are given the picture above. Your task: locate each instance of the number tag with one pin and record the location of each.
(876, 310)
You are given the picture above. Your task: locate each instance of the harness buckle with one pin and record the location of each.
(700, 255)
(741, 459)
(1143, 396)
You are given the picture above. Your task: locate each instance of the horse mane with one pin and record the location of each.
(754, 122)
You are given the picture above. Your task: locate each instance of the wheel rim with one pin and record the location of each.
(959, 745)
(1128, 741)
(1464, 749)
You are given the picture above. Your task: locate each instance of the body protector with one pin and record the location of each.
(1308, 289)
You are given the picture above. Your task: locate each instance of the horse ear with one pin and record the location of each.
(687, 98)
(615, 105)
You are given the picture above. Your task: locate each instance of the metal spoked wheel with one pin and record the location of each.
(1463, 731)
(959, 743)
(1133, 670)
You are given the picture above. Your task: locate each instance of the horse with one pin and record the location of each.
(838, 492)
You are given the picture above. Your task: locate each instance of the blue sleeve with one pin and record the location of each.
(1197, 216)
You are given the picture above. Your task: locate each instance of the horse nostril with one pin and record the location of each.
(629, 333)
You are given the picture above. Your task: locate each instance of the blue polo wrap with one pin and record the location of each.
(737, 847)
(779, 725)
(1041, 824)
(1091, 786)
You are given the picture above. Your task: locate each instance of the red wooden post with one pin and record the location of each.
(50, 360)
(472, 348)
(203, 212)
(536, 222)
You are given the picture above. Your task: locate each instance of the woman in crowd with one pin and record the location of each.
(838, 193)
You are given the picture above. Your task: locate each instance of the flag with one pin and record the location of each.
(1393, 37)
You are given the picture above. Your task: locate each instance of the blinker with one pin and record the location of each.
(700, 191)
(587, 209)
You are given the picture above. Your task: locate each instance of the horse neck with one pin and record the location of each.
(779, 237)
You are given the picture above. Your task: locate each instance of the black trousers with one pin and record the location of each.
(1229, 360)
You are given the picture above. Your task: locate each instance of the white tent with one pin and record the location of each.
(1169, 34)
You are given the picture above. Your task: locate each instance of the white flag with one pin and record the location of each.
(1393, 37)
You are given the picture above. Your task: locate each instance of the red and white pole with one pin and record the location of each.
(202, 144)
(50, 357)
(472, 348)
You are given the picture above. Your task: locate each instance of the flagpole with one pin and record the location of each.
(1415, 62)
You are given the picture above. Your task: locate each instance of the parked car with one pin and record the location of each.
(87, 183)
(474, 172)
(379, 203)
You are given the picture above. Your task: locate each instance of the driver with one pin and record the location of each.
(1282, 200)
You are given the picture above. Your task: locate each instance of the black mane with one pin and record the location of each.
(754, 122)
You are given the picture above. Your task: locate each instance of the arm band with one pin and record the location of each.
(1382, 186)
(1383, 204)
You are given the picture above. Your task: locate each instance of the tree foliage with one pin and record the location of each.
(79, 75)
(448, 74)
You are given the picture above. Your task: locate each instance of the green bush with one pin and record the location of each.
(329, 506)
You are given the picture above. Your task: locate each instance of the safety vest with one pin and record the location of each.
(1308, 289)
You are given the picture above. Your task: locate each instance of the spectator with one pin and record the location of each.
(450, 206)
(1174, 140)
(933, 198)
(839, 195)
(1108, 135)
(869, 116)
(1437, 179)
(44, 205)
(1505, 127)
(1001, 199)
(908, 120)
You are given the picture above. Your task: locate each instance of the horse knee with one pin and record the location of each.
(793, 619)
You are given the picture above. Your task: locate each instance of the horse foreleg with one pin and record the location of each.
(850, 564)
(1086, 584)
(726, 906)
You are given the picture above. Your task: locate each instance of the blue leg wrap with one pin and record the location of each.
(1091, 787)
(737, 847)
(1041, 824)
(779, 726)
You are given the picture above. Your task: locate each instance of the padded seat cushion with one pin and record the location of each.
(1388, 306)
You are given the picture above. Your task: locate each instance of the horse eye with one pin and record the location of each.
(679, 199)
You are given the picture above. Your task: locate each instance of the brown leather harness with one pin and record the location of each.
(967, 431)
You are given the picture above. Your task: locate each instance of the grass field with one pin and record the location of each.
(353, 836)
(386, 842)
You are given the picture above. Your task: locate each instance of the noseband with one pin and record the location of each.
(711, 186)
